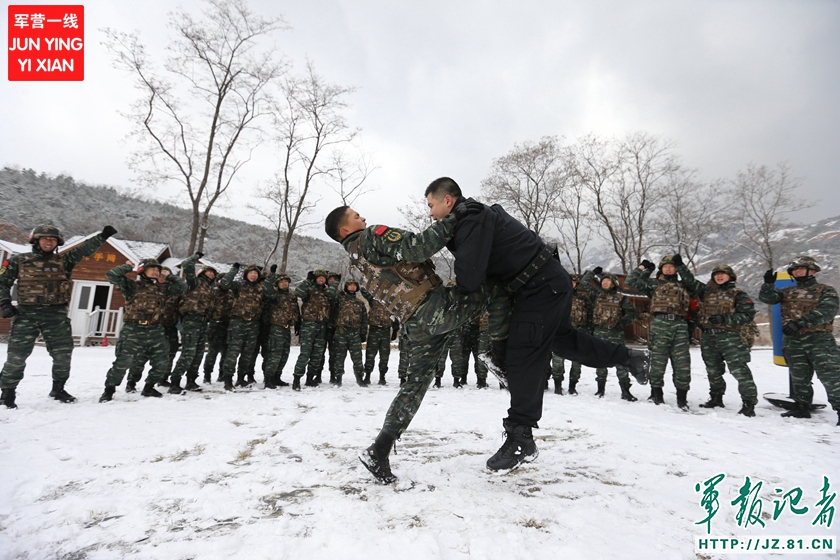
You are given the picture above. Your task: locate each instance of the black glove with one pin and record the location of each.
(466, 206)
(597, 270)
(395, 329)
(337, 277)
(7, 310)
(791, 328)
(648, 265)
(108, 231)
(677, 260)
(236, 265)
(273, 268)
(297, 328)
(717, 320)
(769, 277)
(199, 254)
(310, 275)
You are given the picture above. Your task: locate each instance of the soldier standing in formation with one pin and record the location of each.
(611, 312)
(244, 321)
(329, 331)
(350, 330)
(217, 327)
(378, 340)
(724, 311)
(283, 315)
(669, 328)
(314, 314)
(476, 343)
(808, 311)
(581, 316)
(195, 307)
(142, 336)
(43, 293)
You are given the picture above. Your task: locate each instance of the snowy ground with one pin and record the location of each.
(275, 474)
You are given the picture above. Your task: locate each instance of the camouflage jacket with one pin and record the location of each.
(282, 304)
(610, 308)
(351, 312)
(249, 308)
(315, 301)
(640, 279)
(9, 268)
(199, 296)
(742, 309)
(117, 276)
(822, 312)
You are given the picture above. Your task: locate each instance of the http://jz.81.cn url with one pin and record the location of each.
(765, 544)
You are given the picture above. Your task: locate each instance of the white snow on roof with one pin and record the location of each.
(145, 249)
(15, 248)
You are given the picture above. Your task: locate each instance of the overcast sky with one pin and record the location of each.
(445, 87)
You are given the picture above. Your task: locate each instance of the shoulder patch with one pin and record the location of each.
(393, 236)
(380, 230)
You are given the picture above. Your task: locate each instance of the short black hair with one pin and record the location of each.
(442, 187)
(334, 221)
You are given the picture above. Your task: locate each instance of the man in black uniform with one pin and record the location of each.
(492, 244)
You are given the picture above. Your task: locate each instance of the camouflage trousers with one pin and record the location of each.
(346, 340)
(174, 343)
(140, 343)
(558, 369)
(216, 346)
(193, 338)
(260, 348)
(242, 337)
(50, 321)
(312, 345)
(277, 352)
(378, 342)
(440, 367)
(720, 349)
(669, 341)
(443, 311)
(616, 336)
(402, 368)
(813, 352)
(458, 352)
(476, 342)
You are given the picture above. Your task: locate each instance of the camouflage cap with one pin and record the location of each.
(806, 261)
(46, 231)
(332, 275)
(321, 272)
(726, 269)
(282, 277)
(249, 268)
(208, 269)
(612, 277)
(350, 281)
(667, 259)
(149, 263)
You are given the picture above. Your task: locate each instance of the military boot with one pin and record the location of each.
(367, 378)
(310, 381)
(130, 386)
(207, 377)
(108, 394)
(280, 383)
(296, 383)
(59, 394)
(625, 391)
(7, 397)
(656, 396)
(747, 409)
(382, 379)
(558, 386)
(602, 385)
(150, 391)
(800, 410)
(838, 417)
(715, 399)
(251, 380)
(164, 382)
(375, 458)
(360, 379)
(269, 382)
(519, 447)
(437, 382)
(220, 378)
(682, 399)
(482, 383)
(191, 384)
(456, 383)
(572, 387)
(337, 382)
(240, 380)
(175, 387)
(228, 380)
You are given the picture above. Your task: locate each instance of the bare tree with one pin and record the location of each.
(196, 120)
(574, 222)
(310, 129)
(529, 182)
(761, 199)
(416, 218)
(349, 173)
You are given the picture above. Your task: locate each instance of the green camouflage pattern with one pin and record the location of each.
(216, 346)
(402, 347)
(140, 343)
(457, 353)
(193, 339)
(135, 372)
(241, 340)
(347, 340)
(558, 369)
(277, 352)
(616, 336)
(313, 342)
(378, 342)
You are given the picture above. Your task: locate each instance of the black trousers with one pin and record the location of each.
(539, 325)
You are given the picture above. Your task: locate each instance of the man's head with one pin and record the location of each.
(251, 273)
(351, 286)
(441, 196)
(283, 281)
(803, 267)
(722, 273)
(332, 278)
(667, 266)
(209, 272)
(150, 268)
(321, 276)
(609, 281)
(343, 221)
(46, 238)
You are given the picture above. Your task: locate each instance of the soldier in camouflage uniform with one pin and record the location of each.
(283, 315)
(142, 332)
(378, 340)
(217, 327)
(314, 313)
(476, 343)
(43, 292)
(581, 317)
(395, 266)
(808, 311)
(195, 308)
(669, 328)
(724, 311)
(458, 355)
(611, 312)
(329, 332)
(244, 325)
(351, 324)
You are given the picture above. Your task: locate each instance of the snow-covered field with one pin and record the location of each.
(275, 474)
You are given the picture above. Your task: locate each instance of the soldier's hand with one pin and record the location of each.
(273, 268)
(236, 265)
(108, 231)
(677, 260)
(198, 255)
(769, 277)
(465, 207)
(597, 270)
(7, 310)
(717, 319)
(647, 265)
(310, 275)
(338, 277)
(791, 328)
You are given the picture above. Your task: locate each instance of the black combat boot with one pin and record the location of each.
(457, 383)
(360, 379)
(280, 383)
(7, 397)
(164, 382)
(682, 399)
(637, 363)
(518, 447)
(220, 377)
(332, 377)
(375, 458)
(382, 379)
(437, 382)
(130, 386)
(482, 383)
(108, 395)
(558, 386)
(296, 383)
(800, 410)
(747, 409)
(192, 385)
(175, 387)
(838, 417)
(59, 394)
(367, 378)
(251, 379)
(207, 377)
(656, 396)
(150, 391)
(573, 387)
(625, 391)
(240, 380)
(337, 382)
(715, 399)
(602, 385)
(269, 382)
(310, 381)
(229, 383)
